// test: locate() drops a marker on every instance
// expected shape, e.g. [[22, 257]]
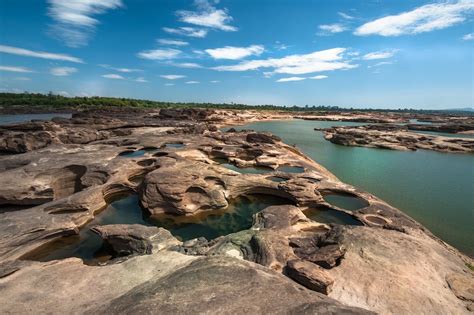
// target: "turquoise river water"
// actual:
[[436, 189]]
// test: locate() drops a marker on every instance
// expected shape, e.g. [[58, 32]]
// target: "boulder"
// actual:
[[309, 275], [132, 239], [262, 138]]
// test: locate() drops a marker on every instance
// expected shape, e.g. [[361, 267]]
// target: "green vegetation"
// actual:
[[470, 266], [53, 101]]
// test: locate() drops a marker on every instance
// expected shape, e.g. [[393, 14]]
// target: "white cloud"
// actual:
[[172, 76], [74, 21], [189, 65], [234, 53], [192, 82], [345, 16], [141, 80], [124, 70], [382, 63], [207, 16], [186, 31], [468, 36], [318, 77], [383, 54], [318, 61], [215, 81], [37, 54], [331, 29], [280, 46], [172, 42], [62, 71], [291, 79], [426, 18], [15, 69], [113, 76], [159, 54], [169, 84]]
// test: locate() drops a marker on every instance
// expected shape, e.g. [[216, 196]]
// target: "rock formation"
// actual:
[[179, 165]]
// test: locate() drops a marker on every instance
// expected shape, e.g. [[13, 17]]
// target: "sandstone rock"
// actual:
[[262, 138], [310, 276], [221, 285], [395, 138], [134, 239], [462, 285]]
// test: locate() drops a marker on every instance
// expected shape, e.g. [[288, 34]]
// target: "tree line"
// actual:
[[55, 101]]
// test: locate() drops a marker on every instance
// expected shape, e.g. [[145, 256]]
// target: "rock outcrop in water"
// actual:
[[288, 261], [395, 137]]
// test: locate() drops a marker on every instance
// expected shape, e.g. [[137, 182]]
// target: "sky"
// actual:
[[371, 53]]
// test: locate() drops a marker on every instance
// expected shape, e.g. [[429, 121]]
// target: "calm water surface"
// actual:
[[436, 189], [13, 119]]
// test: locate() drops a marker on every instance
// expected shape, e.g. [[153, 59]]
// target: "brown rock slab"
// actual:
[[309, 275]]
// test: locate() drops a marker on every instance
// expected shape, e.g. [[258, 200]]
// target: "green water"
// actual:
[[345, 202], [237, 217], [90, 247], [331, 216], [434, 188]]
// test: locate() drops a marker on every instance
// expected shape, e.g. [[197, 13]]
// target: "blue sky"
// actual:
[[384, 54]]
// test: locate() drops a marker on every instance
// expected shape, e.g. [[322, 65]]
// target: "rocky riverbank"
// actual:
[[397, 137], [307, 254]]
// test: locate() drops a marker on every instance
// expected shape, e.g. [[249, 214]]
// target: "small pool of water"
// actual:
[[247, 170], [90, 247], [132, 154], [347, 202], [174, 145], [329, 216], [290, 169], [237, 217]]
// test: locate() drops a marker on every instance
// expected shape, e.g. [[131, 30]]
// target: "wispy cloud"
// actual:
[[318, 61], [207, 16], [15, 69], [62, 71], [159, 54], [291, 79], [235, 53], [280, 46], [141, 80], [215, 81], [345, 16], [328, 29], [172, 42], [383, 54], [192, 82], [423, 19], [469, 36], [188, 65], [318, 77], [169, 84], [37, 54], [74, 18], [378, 64], [186, 31], [22, 79], [123, 70], [113, 76], [172, 76]]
